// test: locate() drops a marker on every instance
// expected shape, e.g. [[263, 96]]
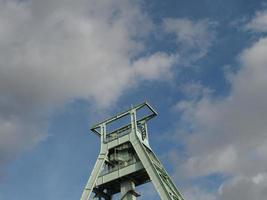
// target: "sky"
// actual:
[[66, 65]]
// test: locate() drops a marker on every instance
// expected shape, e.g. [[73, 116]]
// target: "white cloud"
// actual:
[[238, 120], [230, 133], [194, 37], [237, 188], [218, 161], [52, 52], [244, 188], [194, 90], [195, 193], [156, 66], [259, 22], [56, 51]]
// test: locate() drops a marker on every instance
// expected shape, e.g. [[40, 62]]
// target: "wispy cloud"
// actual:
[[193, 37]]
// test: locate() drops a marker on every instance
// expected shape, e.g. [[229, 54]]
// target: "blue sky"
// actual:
[[66, 65]]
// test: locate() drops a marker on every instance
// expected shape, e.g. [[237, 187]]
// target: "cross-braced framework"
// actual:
[[126, 159]]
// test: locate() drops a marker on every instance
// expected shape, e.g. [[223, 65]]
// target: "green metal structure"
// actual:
[[126, 159]]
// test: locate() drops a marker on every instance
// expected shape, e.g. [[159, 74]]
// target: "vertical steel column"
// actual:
[[127, 190], [128, 186]]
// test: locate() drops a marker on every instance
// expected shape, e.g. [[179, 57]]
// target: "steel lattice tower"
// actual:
[[126, 159]]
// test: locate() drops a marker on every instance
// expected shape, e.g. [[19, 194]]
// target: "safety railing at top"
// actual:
[[101, 127]]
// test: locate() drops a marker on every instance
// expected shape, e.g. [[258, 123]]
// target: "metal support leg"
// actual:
[[156, 172], [92, 179]]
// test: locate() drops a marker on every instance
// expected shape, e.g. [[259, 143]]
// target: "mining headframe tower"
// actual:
[[126, 159]]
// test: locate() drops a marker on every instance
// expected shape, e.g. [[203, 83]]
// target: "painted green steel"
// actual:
[[126, 159]]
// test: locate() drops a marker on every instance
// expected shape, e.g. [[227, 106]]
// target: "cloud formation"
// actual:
[[229, 133], [259, 22], [193, 37], [53, 52]]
